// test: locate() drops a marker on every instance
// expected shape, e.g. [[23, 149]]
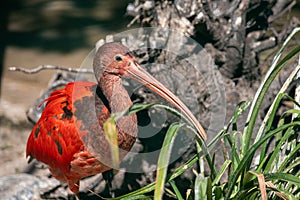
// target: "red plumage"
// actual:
[[56, 139]]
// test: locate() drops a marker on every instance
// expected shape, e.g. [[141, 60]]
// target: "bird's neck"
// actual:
[[115, 93]]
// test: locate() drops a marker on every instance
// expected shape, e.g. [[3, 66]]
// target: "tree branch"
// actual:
[[50, 67]]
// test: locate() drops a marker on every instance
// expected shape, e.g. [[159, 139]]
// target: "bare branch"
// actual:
[[50, 67]]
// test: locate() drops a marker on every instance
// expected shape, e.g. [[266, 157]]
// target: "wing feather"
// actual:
[[55, 138]]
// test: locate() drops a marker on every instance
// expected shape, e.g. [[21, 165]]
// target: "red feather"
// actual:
[[56, 139]]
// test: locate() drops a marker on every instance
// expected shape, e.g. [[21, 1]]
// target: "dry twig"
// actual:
[[50, 67]]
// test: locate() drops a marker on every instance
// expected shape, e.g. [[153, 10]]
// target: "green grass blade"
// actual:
[[203, 188], [277, 56], [201, 159], [282, 193], [233, 139], [259, 96], [291, 179], [244, 194], [271, 114], [272, 110], [289, 158], [291, 111], [249, 154], [276, 152], [233, 151], [164, 158], [181, 169], [294, 164], [139, 107], [137, 197], [176, 190], [146, 189], [221, 172]]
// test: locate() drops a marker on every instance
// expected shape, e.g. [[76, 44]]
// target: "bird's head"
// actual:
[[116, 59], [112, 58]]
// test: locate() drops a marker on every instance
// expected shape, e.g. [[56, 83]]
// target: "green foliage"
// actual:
[[252, 169]]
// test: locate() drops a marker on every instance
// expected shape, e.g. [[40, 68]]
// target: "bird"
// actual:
[[69, 136]]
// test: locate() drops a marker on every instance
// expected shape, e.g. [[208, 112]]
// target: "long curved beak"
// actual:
[[136, 72]]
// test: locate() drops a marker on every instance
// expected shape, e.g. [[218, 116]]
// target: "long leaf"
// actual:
[[289, 158], [259, 96], [294, 164], [281, 193], [138, 197], [176, 190], [203, 188], [163, 160], [275, 103], [291, 179], [271, 114], [277, 151], [221, 172]]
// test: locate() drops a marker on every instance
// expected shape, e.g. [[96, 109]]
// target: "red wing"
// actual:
[[57, 136]]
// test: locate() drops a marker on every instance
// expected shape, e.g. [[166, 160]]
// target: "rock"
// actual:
[[24, 186]]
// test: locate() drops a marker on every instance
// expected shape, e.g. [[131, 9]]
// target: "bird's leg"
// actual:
[[74, 186]]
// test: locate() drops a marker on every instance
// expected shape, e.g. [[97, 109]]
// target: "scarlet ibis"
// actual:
[[69, 135]]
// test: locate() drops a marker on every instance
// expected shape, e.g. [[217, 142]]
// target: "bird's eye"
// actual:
[[118, 58]]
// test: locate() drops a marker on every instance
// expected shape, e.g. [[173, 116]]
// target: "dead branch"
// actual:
[[50, 67]]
